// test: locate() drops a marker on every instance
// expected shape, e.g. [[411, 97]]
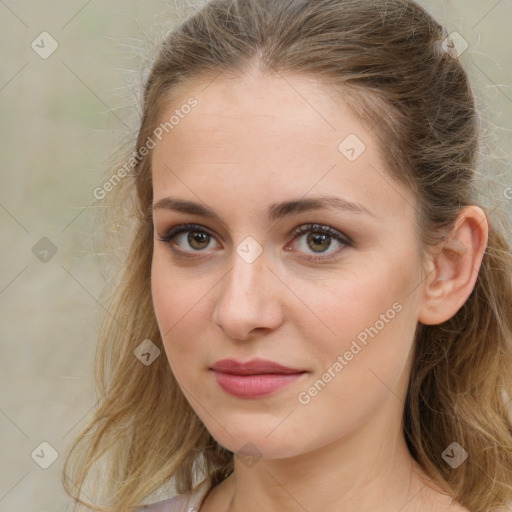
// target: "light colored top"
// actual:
[[181, 502]]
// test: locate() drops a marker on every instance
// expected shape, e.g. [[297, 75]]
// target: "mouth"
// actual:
[[255, 378]]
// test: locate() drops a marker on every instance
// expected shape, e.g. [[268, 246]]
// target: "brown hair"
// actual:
[[387, 60]]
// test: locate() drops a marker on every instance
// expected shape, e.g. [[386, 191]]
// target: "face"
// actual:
[[329, 292]]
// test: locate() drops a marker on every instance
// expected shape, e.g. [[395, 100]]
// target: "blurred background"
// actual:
[[69, 89]]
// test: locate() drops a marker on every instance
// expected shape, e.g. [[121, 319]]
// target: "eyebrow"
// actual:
[[275, 212]]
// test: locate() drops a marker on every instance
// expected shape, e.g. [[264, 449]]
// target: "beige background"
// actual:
[[60, 117]]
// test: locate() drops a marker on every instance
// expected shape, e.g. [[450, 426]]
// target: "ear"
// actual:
[[454, 268]]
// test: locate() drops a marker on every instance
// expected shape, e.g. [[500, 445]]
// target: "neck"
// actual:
[[370, 469]]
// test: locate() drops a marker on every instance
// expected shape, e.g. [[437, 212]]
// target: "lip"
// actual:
[[255, 378], [252, 367]]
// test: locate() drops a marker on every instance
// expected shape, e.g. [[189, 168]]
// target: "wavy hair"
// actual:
[[387, 60]]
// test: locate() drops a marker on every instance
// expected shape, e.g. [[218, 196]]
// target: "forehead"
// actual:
[[289, 134], [281, 104]]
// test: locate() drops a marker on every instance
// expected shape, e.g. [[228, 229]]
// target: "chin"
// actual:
[[257, 441]]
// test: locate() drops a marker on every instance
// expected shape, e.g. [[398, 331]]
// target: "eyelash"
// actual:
[[305, 228]]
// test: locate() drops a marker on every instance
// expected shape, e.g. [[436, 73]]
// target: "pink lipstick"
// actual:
[[253, 379]]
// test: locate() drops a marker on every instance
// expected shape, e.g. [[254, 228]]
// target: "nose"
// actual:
[[249, 299]]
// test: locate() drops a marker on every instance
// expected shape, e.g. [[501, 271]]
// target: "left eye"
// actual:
[[319, 239]]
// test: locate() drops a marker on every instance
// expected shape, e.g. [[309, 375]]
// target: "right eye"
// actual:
[[193, 235]]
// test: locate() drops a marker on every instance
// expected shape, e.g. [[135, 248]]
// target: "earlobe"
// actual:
[[455, 267]]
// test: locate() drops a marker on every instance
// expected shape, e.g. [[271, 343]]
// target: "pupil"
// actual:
[[318, 240], [196, 237]]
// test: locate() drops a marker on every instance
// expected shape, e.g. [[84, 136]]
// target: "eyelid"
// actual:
[[322, 228], [173, 232], [340, 237]]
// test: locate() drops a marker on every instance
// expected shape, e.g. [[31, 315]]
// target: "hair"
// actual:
[[387, 61]]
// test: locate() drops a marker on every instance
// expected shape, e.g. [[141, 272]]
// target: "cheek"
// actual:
[[365, 364], [367, 325], [365, 300], [180, 309]]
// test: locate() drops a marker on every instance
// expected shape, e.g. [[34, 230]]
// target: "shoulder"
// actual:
[[182, 502], [168, 505]]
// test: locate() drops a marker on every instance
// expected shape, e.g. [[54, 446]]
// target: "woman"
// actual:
[[315, 312]]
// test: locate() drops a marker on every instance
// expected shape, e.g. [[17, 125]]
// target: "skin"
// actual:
[[257, 141]]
